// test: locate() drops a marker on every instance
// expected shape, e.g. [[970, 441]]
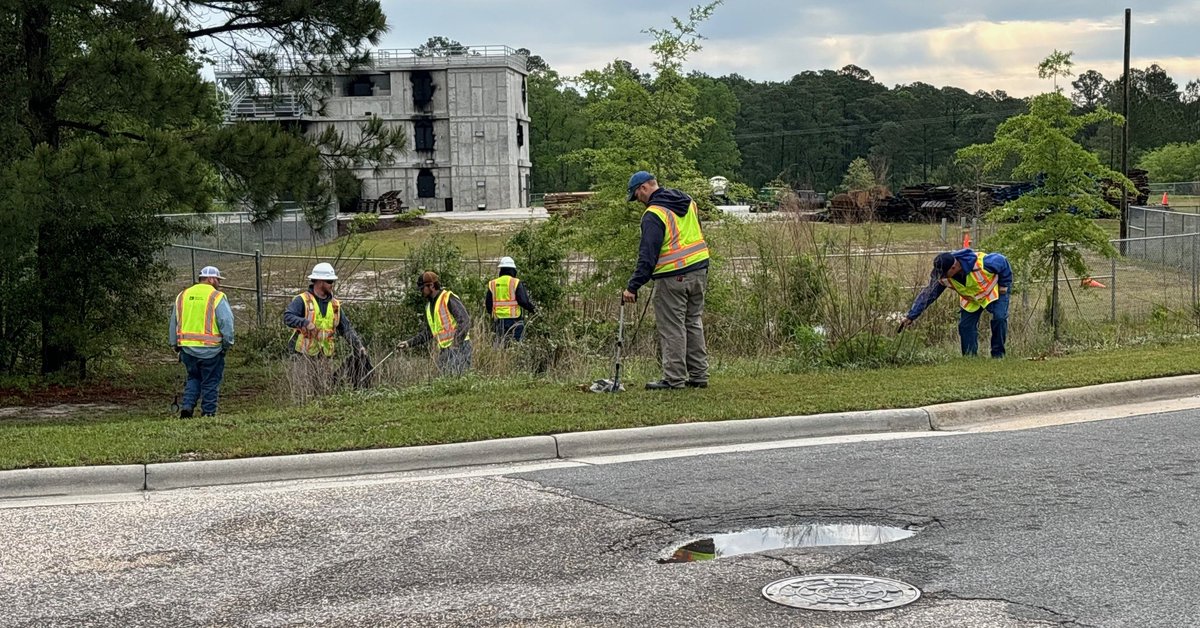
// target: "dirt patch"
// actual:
[[56, 394], [54, 411]]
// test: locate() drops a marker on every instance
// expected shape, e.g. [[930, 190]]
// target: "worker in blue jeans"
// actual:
[[201, 332], [983, 282]]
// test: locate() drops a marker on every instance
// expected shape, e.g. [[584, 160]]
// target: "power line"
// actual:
[[864, 126]]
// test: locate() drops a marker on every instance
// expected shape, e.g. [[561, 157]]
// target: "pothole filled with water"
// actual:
[[784, 537]]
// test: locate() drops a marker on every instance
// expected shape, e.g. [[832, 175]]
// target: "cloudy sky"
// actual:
[[972, 44]]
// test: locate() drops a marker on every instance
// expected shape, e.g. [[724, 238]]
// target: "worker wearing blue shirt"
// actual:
[[982, 281]]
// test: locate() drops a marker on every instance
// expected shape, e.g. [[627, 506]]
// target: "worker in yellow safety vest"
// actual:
[[447, 322], [674, 254], [982, 281], [508, 302], [316, 318], [201, 332]]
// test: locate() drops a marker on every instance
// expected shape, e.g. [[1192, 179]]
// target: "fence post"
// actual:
[[1025, 290], [1113, 290], [193, 252], [944, 234], [258, 286], [1195, 278], [974, 233]]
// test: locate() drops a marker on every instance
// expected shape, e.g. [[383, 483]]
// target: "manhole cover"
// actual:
[[841, 592]]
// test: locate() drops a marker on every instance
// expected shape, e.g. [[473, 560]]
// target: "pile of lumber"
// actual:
[[567, 203], [1141, 181]]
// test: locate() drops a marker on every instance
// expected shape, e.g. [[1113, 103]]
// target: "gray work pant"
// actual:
[[678, 313], [455, 360]]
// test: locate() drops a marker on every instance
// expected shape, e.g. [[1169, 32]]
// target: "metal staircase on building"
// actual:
[[240, 104]]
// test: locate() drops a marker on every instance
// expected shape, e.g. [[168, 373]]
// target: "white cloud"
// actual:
[[972, 44]]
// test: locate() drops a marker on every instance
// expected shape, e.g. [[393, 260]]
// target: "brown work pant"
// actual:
[[678, 314]]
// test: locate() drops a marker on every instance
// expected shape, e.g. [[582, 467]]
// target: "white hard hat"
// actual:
[[210, 271], [507, 262], [323, 272]]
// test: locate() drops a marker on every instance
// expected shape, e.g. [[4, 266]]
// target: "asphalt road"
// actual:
[[1077, 525]]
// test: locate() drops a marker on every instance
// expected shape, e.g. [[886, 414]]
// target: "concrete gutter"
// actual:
[[170, 475], [961, 414], [125, 478], [26, 483], [687, 435]]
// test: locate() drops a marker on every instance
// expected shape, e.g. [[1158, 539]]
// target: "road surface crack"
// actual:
[[1061, 619]]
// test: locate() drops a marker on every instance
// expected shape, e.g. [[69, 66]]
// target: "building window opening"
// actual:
[[423, 134], [524, 93], [426, 184], [520, 134], [422, 88], [359, 86]]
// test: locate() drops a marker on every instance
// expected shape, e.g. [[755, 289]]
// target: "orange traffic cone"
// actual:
[[966, 240], [1165, 202], [1088, 282]]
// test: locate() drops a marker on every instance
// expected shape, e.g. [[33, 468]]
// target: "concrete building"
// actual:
[[465, 117]]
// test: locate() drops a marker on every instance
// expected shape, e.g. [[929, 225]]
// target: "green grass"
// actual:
[[472, 408]]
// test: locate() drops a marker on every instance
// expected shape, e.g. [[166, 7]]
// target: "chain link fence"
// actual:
[[237, 232], [1160, 273], [1181, 196]]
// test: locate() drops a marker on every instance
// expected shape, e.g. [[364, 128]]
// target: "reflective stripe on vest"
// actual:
[[196, 316], [319, 341], [683, 242], [504, 297], [441, 323], [981, 288]]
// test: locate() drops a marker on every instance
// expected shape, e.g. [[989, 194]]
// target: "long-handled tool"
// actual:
[[362, 380], [175, 407], [614, 384]]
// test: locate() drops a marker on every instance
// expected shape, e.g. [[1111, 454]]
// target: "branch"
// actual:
[[98, 129], [230, 27]]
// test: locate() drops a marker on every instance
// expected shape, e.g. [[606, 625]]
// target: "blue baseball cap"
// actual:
[[638, 178], [943, 262]]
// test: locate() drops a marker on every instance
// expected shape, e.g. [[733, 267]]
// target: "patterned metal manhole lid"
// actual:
[[841, 592]]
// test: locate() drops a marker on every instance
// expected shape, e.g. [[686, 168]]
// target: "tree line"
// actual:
[[805, 131]]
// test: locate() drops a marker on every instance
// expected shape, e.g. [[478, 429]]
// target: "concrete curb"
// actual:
[[685, 435], [170, 475], [950, 416], [29, 483], [125, 478]]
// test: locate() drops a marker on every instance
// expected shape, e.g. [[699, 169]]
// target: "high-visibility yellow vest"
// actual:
[[981, 288], [319, 341], [683, 243], [196, 316], [504, 297], [441, 323]]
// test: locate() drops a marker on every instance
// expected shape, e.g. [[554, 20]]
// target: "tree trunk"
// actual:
[[55, 306], [42, 126]]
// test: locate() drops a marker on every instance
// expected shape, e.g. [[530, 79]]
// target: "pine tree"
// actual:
[[107, 124]]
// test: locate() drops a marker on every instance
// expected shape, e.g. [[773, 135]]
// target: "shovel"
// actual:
[[614, 385]]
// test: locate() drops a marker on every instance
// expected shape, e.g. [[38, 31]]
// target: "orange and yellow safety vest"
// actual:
[[683, 243], [504, 297], [319, 341], [441, 323], [981, 288]]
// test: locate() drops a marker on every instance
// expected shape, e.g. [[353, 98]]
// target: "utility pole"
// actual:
[[1125, 138]]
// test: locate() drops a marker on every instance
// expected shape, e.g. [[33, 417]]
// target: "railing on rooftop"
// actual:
[[390, 59]]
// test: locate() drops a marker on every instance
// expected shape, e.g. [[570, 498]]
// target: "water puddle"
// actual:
[[765, 539]]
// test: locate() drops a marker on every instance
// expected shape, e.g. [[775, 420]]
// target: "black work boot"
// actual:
[[186, 413], [661, 385]]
